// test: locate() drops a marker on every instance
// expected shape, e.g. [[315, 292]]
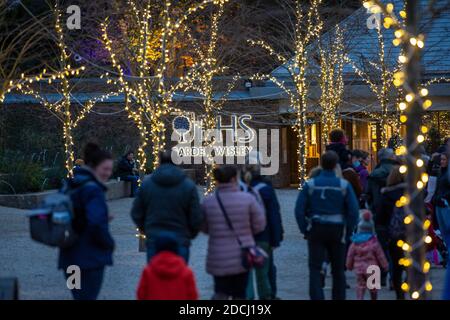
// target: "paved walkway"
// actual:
[[35, 264]]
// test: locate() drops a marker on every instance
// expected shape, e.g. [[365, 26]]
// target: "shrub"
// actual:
[[22, 177]]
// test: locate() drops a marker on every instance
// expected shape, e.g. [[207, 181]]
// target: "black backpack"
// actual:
[[397, 228]]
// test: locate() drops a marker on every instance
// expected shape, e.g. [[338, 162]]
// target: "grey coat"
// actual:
[[168, 201]]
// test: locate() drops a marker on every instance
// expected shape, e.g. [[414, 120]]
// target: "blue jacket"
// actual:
[[327, 202], [273, 233], [95, 245]]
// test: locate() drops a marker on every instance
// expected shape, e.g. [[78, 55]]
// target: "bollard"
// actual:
[[141, 238]]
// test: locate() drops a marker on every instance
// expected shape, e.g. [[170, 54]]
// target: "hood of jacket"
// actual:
[[168, 175], [337, 147], [362, 237], [82, 175], [167, 265], [383, 169], [342, 152]]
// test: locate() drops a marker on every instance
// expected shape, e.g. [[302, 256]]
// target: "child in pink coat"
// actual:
[[365, 251]]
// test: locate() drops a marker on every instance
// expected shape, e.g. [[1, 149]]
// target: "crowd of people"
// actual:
[[347, 213]]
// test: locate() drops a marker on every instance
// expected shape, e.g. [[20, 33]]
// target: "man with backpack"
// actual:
[[376, 181], [378, 177], [326, 213], [390, 218]]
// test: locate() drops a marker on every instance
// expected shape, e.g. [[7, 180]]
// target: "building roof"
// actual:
[[361, 46], [362, 42]]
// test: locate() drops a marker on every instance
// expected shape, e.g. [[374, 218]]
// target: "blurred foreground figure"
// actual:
[[167, 277], [93, 249]]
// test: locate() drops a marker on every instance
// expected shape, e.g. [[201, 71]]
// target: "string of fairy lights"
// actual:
[[149, 110], [413, 44], [145, 107], [204, 70], [331, 83], [61, 108], [308, 26], [380, 88]]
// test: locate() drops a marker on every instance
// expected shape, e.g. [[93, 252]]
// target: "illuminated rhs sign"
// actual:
[[227, 143]]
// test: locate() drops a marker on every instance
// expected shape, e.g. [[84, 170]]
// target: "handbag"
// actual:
[[252, 256]]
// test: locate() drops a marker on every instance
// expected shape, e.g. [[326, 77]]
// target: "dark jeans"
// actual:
[[396, 253], [134, 183], [273, 275], [183, 251], [91, 282], [234, 286], [326, 240]]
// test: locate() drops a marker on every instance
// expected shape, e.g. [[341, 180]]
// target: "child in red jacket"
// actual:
[[365, 251], [167, 277]]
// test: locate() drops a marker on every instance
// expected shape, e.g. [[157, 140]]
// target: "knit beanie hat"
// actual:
[[366, 224], [166, 241]]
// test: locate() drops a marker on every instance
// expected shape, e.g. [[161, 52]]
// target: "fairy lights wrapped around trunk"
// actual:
[[307, 28]]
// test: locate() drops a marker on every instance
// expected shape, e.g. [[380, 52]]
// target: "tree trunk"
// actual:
[[415, 230]]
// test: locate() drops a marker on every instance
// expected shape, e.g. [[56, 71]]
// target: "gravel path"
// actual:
[[35, 264]]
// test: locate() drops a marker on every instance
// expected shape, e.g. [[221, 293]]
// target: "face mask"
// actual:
[[356, 164]]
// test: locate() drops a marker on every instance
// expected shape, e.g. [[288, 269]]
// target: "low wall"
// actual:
[[116, 190]]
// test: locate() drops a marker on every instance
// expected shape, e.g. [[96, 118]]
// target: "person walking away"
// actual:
[[271, 237], [365, 252], [127, 171], [168, 202], [392, 218], [167, 277], [94, 247], [377, 180], [442, 201], [338, 144], [360, 161], [246, 218], [350, 174], [326, 211]]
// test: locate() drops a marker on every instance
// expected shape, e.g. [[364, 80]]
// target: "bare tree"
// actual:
[[204, 71], [408, 77], [63, 108], [331, 82], [21, 59], [149, 54], [307, 26]]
